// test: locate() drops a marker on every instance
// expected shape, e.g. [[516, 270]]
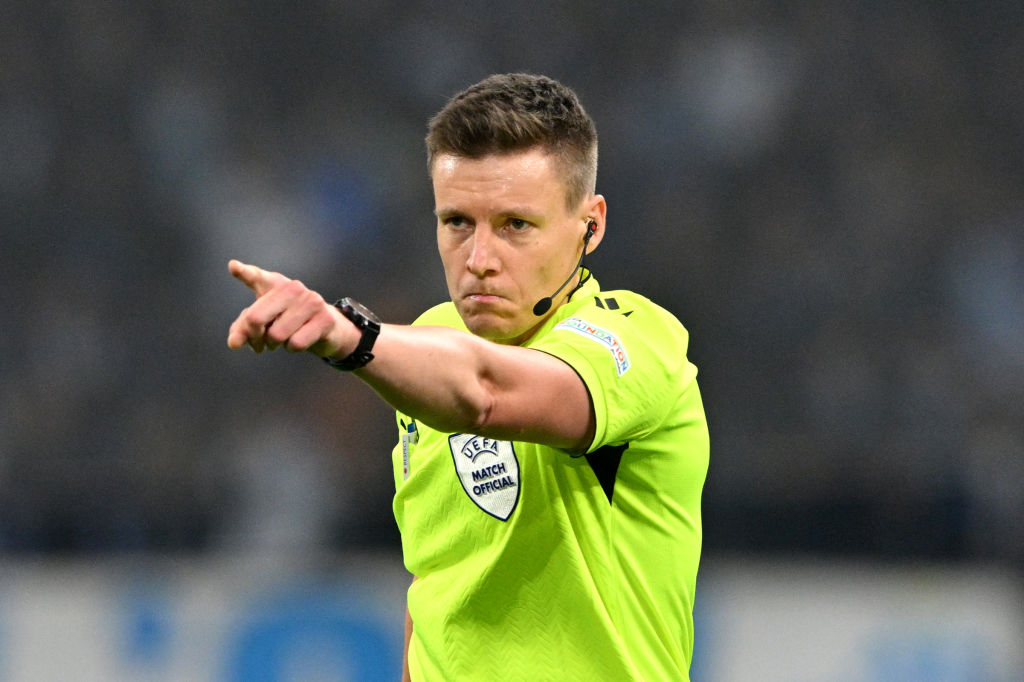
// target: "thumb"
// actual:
[[254, 277]]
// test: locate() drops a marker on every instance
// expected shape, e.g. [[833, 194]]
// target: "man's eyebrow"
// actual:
[[447, 212], [531, 214], [521, 212]]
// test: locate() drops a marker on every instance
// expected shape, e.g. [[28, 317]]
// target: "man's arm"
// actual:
[[406, 676], [449, 380]]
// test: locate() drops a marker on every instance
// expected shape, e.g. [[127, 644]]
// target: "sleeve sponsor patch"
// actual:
[[602, 336]]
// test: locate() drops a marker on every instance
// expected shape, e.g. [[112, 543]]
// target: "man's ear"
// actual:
[[595, 211]]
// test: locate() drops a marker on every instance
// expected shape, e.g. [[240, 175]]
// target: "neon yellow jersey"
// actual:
[[536, 565]]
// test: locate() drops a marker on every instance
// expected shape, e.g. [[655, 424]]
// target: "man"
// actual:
[[552, 459]]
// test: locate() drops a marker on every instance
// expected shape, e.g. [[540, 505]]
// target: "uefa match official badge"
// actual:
[[489, 472]]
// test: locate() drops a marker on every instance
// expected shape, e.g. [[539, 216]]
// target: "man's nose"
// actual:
[[482, 253]]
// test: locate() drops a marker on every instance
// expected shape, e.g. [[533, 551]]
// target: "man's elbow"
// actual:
[[468, 415]]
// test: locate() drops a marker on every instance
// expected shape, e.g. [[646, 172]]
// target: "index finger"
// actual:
[[254, 277]]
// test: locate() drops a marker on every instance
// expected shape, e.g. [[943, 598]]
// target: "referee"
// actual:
[[552, 441]]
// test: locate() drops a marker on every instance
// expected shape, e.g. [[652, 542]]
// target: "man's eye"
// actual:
[[518, 224], [455, 221]]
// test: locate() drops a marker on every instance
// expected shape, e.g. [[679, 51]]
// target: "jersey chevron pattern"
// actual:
[[536, 565]]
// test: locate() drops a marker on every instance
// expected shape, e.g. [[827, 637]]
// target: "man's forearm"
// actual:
[[406, 676], [405, 655]]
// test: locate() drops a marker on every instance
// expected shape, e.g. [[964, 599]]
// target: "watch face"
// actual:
[[361, 310]]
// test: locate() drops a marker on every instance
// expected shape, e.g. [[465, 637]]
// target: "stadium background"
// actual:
[[829, 195]]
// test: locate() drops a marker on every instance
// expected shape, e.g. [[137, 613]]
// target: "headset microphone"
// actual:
[[544, 304]]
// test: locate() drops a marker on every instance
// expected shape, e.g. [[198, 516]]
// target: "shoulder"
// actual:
[[639, 337], [632, 305], [629, 315], [441, 315]]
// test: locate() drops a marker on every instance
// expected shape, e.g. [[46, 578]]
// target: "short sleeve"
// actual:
[[634, 366]]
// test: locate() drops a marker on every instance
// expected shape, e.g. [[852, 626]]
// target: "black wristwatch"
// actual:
[[368, 323]]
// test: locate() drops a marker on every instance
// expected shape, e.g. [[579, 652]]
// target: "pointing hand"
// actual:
[[287, 313]]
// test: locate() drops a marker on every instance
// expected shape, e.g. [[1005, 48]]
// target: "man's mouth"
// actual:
[[483, 297]]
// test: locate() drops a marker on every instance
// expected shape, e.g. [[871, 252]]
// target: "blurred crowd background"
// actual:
[[829, 195]]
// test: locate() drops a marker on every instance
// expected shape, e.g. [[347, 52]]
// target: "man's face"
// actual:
[[506, 238]]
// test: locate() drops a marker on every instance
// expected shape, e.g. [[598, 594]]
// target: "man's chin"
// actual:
[[490, 326], [490, 330]]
